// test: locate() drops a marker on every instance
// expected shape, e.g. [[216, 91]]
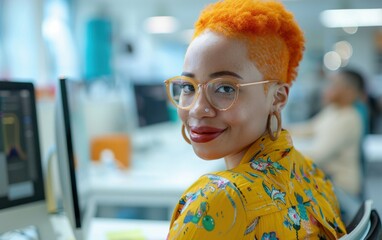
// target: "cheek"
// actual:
[[183, 115], [251, 117]]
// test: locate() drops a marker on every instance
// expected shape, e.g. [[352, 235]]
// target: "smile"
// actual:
[[204, 134]]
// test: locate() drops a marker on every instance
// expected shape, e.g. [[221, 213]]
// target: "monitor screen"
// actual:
[[21, 180], [151, 103], [23, 207]]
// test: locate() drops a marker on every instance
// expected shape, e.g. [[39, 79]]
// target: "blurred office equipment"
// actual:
[[112, 147], [22, 195], [82, 207], [72, 170], [151, 103], [98, 48], [366, 224]]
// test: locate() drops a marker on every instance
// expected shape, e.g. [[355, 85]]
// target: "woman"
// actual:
[[235, 82]]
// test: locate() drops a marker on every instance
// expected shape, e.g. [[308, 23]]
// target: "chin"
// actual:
[[207, 155]]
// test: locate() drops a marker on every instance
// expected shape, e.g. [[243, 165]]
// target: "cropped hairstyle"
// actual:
[[275, 42]]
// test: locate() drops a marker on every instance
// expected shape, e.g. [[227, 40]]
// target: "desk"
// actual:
[[100, 228], [152, 186], [105, 228], [163, 167], [62, 227]]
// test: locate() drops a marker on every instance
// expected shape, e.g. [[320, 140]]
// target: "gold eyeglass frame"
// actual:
[[204, 86]]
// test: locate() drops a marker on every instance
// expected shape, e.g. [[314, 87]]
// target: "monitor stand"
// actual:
[[60, 217], [33, 214]]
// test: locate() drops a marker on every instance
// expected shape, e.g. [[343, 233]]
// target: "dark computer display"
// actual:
[[21, 178], [151, 103]]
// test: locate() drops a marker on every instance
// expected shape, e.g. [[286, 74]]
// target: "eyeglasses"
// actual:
[[221, 93]]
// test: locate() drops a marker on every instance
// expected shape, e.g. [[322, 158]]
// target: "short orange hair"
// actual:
[[275, 41]]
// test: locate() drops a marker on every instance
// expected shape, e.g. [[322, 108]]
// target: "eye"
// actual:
[[187, 88], [225, 89]]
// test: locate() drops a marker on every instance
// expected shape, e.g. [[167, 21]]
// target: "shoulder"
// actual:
[[268, 187], [292, 187], [338, 119], [349, 113], [217, 185], [222, 180], [263, 186], [350, 119], [211, 207]]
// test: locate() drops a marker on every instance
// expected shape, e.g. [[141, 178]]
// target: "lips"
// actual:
[[204, 134]]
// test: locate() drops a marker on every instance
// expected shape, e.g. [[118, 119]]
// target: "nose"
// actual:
[[202, 107]]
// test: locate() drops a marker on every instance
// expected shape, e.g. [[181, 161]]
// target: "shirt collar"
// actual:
[[265, 146]]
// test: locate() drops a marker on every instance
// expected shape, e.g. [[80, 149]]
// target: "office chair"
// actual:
[[375, 228], [365, 225]]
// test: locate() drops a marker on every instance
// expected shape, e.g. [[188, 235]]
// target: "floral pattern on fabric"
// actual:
[[266, 166], [274, 193], [269, 236]]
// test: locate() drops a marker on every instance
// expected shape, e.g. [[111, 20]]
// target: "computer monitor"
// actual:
[[22, 195], [151, 103], [71, 157]]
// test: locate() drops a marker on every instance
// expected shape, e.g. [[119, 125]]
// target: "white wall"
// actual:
[[23, 51]]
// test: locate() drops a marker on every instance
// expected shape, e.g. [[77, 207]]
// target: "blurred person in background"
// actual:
[[235, 82], [333, 137]]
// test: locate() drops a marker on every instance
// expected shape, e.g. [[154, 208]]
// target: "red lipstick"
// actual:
[[204, 134]]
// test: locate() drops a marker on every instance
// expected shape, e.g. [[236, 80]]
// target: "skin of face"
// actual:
[[211, 55], [339, 91]]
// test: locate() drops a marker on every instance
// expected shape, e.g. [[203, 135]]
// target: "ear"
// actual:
[[280, 96]]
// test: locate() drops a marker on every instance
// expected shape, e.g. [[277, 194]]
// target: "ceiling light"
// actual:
[[344, 49], [332, 60], [161, 24], [351, 17], [350, 30]]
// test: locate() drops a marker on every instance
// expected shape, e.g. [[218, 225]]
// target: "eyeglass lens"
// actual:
[[219, 92]]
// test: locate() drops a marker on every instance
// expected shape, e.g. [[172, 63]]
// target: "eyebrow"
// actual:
[[215, 75], [224, 73], [187, 74]]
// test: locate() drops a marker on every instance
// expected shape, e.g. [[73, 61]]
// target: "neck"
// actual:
[[233, 161], [343, 104]]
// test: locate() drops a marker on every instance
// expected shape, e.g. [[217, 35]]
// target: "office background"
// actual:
[[124, 41], [116, 50]]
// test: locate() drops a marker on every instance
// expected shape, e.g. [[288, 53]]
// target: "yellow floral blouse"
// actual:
[[274, 193]]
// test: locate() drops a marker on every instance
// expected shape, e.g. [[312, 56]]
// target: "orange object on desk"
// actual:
[[119, 144]]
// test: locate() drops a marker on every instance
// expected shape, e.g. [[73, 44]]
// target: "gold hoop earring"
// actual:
[[185, 135], [271, 133]]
